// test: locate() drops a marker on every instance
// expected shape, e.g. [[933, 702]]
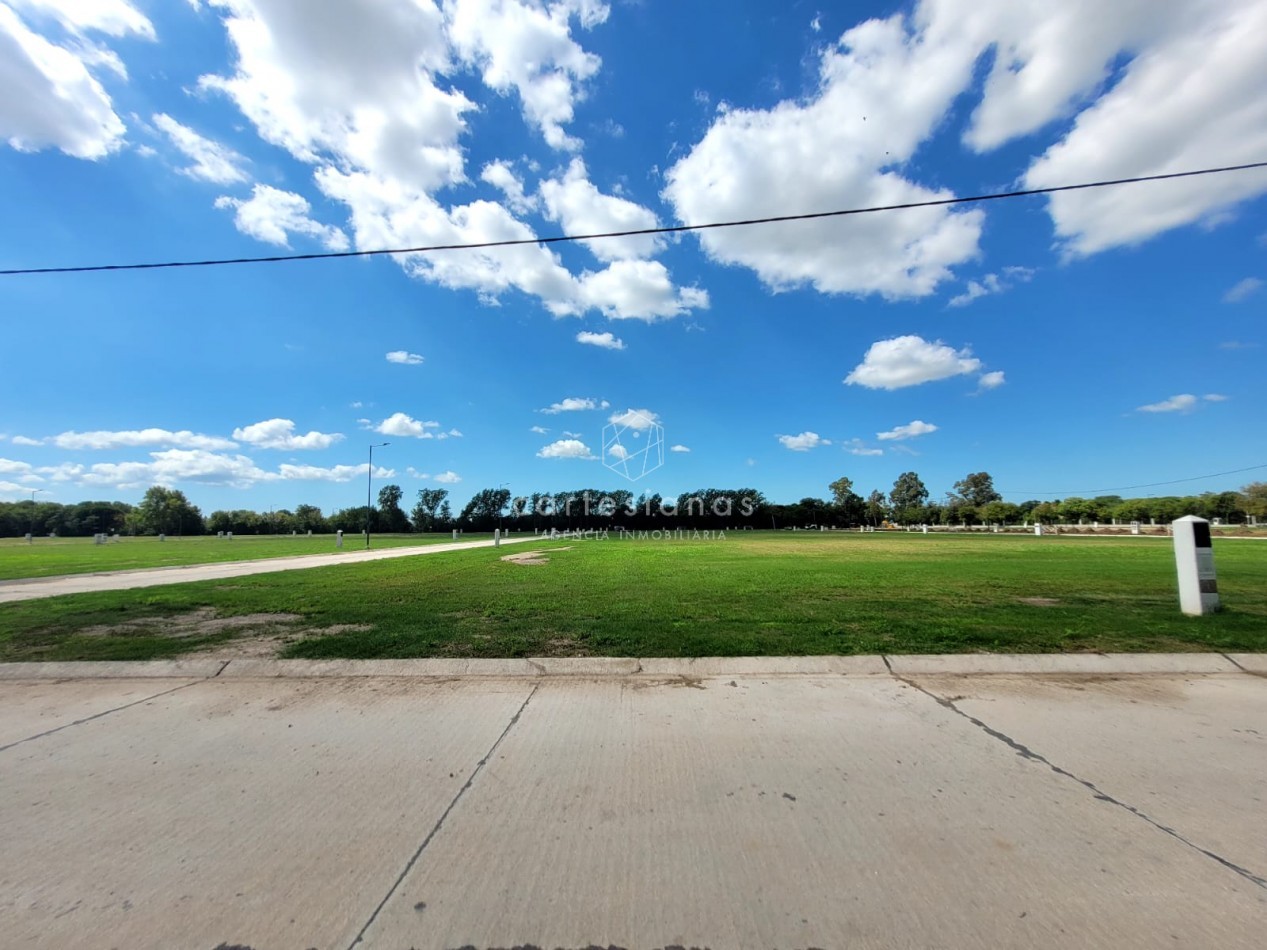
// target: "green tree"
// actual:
[[391, 518], [1254, 499], [907, 497], [426, 511], [977, 489], [483, 511], [842, 491], [167, 511]]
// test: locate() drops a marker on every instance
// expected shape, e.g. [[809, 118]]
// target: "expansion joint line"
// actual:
[[435, 830], [106, 712], [1033, 756]]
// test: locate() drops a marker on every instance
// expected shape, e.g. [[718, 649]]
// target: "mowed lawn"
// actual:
[[47, 557], [749, 594]]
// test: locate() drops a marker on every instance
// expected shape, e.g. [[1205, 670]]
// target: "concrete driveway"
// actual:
[[865, 802]]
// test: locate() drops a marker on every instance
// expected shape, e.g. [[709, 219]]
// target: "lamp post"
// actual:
[[369, 478], [34, 492]]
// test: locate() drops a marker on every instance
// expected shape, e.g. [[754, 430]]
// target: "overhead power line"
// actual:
[[676, 229], [1104, 491]]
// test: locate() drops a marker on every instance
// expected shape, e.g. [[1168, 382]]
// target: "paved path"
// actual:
[[716, 803], [34, 588]]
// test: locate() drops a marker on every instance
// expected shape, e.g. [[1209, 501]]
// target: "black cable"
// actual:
[[1102, 491], [676, 229]]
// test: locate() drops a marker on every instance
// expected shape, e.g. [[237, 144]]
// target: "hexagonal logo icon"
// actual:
[[633, 444]]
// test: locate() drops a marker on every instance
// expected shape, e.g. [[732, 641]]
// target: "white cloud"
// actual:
[[24, 470], [858, 447], [404, 357], [908, 431], [337, 473], [1166, 113], [272, 215], [803, 442], [400, 424], [527, 47], [605, 340], [1214, 397], [500, 175], [991, 380], [992, 284], [1243, 290], [52, 99], [23, 440], [581, 208], [639, 290], [280, 434], [177, 465], [1184, 402], [882, 91], [12, 488], [679, 448], [909, 361], [634, 418], [211, 161], [539, 430], [117, 18], [573, 404], [448, 478], [566, 449], [184, 439]]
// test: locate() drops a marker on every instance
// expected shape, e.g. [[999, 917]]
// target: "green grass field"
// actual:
[[46, 557], [748, 594]]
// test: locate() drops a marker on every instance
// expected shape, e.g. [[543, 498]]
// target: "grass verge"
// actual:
[[750, 594]]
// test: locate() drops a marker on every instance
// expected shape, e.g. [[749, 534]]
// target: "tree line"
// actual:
[[974, 501]]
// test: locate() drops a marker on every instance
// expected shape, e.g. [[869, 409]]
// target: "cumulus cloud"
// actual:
[[908, 431], [607, 341], [337, 473], [1184, 402], [566, 449], [821, 153], [581, 208], [280, 434], [52, 99], [134, 438], [991, 380], [177, 465], [448, 478], [1243, 290], [23, 440], [634, 418], [574, 404], [527, 47], [272, 215], [803, 442], [405, 426], [211, 161], [678, 448], [909, 361], [858, 447], [404, 357], [992, 284], [360, 95]]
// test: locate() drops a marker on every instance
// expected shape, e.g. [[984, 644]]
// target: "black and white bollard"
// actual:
[[1194, 559]]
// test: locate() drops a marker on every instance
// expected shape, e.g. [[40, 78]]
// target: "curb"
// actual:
[[913, 665]]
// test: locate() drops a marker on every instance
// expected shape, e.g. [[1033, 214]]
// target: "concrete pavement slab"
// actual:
[[764, 665], [440, 667], [37, 707], [967, 663], [1190, 752], [261, 813], [796, 811], [106, 669], [1252, 662]]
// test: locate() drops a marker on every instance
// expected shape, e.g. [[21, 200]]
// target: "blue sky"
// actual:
[[1090, 342]]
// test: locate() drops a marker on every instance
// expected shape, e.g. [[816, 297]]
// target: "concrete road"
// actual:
[[865, 803], [37, 587]]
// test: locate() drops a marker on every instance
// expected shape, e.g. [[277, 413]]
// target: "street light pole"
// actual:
[[369, 478], [34, 492]]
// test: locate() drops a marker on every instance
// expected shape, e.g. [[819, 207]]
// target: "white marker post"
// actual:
[[455, 534], [1038, 529], [338, 539], [1194, 559], [497, 537]]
